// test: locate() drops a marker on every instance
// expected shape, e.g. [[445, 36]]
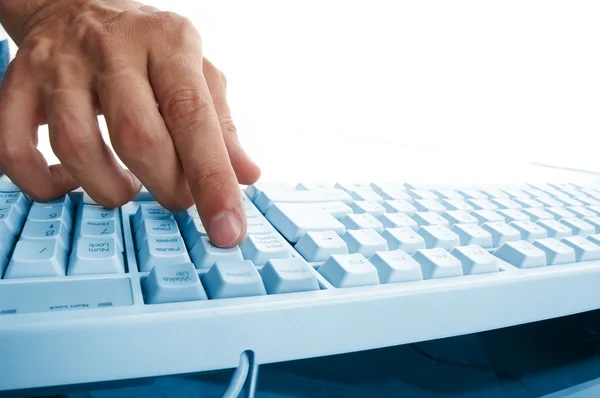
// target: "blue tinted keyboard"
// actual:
[[89, 294]]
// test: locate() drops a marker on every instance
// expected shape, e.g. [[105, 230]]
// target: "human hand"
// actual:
[[164, 105]]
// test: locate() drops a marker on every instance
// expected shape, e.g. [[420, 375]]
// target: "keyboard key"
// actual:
[[581, 212], [47, 231], [103, 229], [482, 204], [429, 218], [457, 204], [362, 221], [588, 201], [349, 270], [521, 254], [475, 260], [529, 230], [364, 241], [529, 203], [390, 193], [261, 248], [293, 224], [549, 202], [399, 206], [308, 186], [429, 205], [252, 191], [204, 254], [439, 236], [396, 266], [422, 194], [511, 215], [92, 212], [473, 234], [459, 217], [173, 283], [192, 231], [484, 216], [594, 221], [37, 258], [438, 263], [319, 246], [585, 250], [448, 194], [337, 209], [536, 214], [6, 185], [568, 201], [16, 200], [288, 276], [149, 212], [12, 219], [397, 220], [378, 186], [506, 204], [365, 194], [560, 212], [350, 186], [53, 213], [404, 238], [495, 194], [365, 206], [556, 251], [501, 233], [579, 227], [516, 193], [96, 256], [3, 261], [555, 229], [595, 210], [233, 279], [269, 197], [258, 225], [162, 250], [472, 194], [64, 201], [158, 228]]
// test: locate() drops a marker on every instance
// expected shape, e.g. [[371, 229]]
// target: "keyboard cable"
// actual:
[[240, 377]]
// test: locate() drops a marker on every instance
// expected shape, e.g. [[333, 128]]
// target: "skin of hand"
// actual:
[[164, 104]]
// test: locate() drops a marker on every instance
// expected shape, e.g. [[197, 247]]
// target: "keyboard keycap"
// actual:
[[92, 212], [484, 216], [293, 224], [258, 225], [37, 258], [560, 212], [103, 229], [364, 241], [162, 250], [365, 194], [233, 279], [568, 201], [173, 283], [64, 201], [529, 203], [261, 248], [422, 194], [157, 228], [457, 204], [53, 213], [149, 212], [362, 221], [511, 215], [429, 205], [594, 221], [319, 246], [555, 229], [501, 233], [430, 218], [448, 194], [337, 209], [390, 193], [556, 251], [581, 212], [12, 219], [288, 276], [96, 256], [47, 231], [349, 270], [495, 194], [397, 220], [529, 230], [16, 200], [549, 202], [473, 234], [578, 226], [585, 250], [406, 239], [536, 214], [365, 206], [438, 263], [396, 266], [399, 206], [439, 236], [506, 204], [521, 254], [482, 204], [459, 217], [204, 254], [475, 260], [268, 197], [472, 194]]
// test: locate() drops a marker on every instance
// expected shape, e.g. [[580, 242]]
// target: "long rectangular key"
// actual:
[[54, 213], [293, 224], [158, 228], [37, 258], [268, 197], [47, 231], [148, 211], [96, 256], [101, 229]]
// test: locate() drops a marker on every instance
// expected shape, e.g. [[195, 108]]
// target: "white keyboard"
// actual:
[[90, 294]]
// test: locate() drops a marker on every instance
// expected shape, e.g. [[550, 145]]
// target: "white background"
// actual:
[[506, 80]]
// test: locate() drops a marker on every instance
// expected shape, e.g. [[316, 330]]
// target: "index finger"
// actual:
[[186, 106]]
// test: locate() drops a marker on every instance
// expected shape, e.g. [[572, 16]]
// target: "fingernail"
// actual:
[[225, 229]]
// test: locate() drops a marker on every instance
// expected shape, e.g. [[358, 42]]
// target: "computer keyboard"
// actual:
[[89, 294]]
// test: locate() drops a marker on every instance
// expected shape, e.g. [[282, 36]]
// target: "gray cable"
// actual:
[[252, 380], [238, 378]]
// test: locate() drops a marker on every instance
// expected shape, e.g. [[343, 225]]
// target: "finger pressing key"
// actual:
[[175, 70]]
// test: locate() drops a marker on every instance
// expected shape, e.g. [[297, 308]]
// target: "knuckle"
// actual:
[[73, 143], [186, 105], [11, 154], [38, 53], [179, 29], [134, 138], [228, 127]]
